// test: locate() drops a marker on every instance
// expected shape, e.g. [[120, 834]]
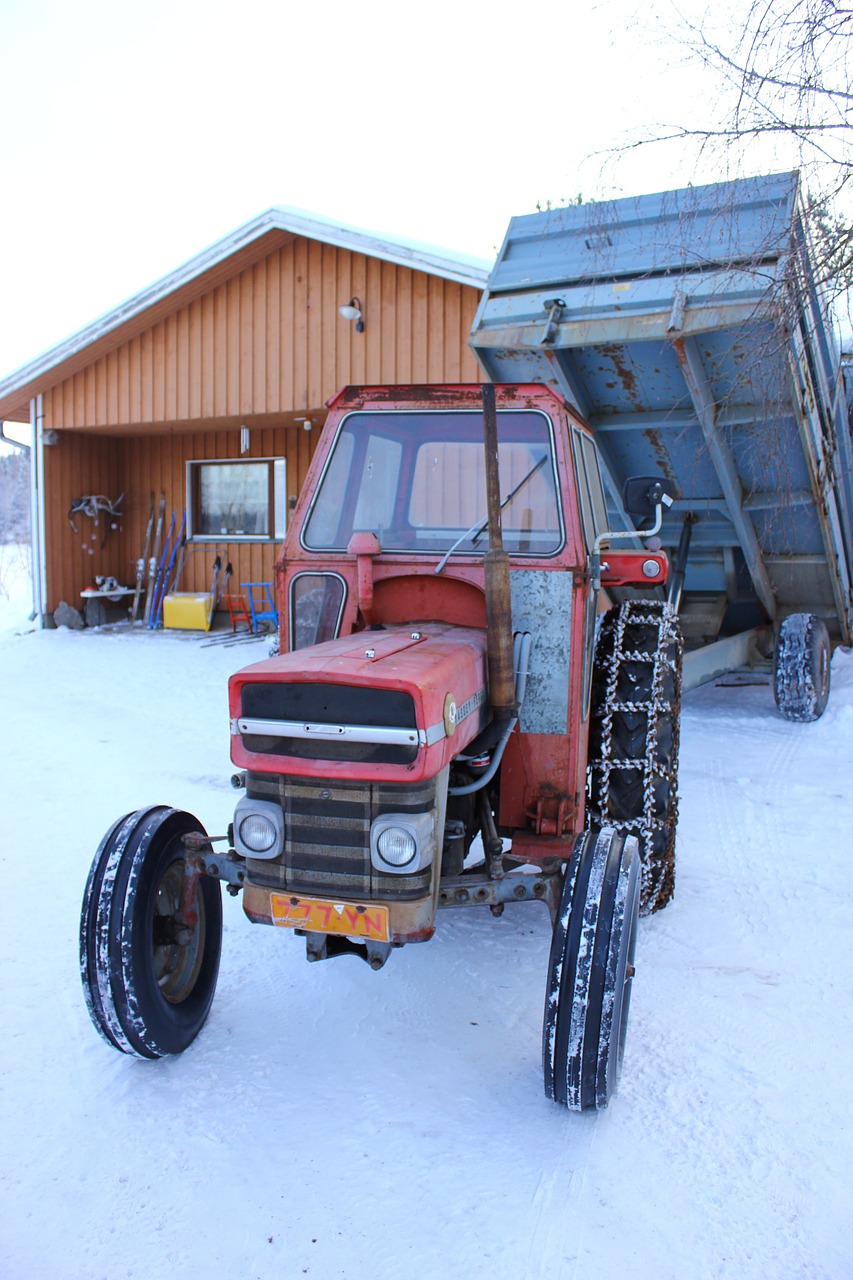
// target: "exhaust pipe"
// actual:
[[498, 606]]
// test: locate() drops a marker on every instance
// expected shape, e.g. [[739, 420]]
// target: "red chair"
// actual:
[[238, 611]]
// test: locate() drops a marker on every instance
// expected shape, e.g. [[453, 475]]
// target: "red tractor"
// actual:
[[473, 704]]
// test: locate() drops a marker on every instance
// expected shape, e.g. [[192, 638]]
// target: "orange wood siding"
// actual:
[[75, 466], [259, 348], [83, 464], [270, 341], [159, 462]]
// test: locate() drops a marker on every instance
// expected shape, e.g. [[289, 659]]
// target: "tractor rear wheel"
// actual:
[[590, 971], [801, 668], [633, 737], [148, 973]]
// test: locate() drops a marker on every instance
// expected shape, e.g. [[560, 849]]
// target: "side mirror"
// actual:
[[642, 495]]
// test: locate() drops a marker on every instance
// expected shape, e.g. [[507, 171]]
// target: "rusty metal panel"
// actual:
[[743, 221], [542, 605]]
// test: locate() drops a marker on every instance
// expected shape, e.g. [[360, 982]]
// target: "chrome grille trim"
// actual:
[[331, 732], [340, 732]]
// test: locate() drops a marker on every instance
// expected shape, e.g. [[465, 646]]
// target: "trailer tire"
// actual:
[[801, 671], [590, 971], [634, 736], [148, 988]]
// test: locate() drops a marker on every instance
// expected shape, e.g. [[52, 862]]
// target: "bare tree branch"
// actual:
[[786, 72]]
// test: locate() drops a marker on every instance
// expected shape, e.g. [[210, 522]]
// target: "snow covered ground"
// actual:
[[338, 1123]]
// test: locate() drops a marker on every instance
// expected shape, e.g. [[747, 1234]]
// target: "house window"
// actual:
[[233, 500]]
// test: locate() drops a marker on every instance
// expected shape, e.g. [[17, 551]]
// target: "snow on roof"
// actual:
[[460, 268]]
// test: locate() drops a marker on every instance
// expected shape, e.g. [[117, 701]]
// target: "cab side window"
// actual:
[[590, 488]]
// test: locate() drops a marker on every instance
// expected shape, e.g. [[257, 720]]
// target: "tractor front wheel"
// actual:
[[590, 971], [149, 953]]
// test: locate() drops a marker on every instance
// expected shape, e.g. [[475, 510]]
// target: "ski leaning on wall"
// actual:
[[142, 562], [164, 577], [152, 563], [214, 590], [158, 579]]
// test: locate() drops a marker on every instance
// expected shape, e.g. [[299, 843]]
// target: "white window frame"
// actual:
[[278, 514]]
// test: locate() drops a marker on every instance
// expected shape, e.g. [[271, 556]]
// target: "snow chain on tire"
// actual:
[[633, 737]]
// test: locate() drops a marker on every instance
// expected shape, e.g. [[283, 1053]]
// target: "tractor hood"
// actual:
[[394, 704]]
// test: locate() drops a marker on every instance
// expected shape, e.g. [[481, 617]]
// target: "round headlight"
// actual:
[[397, 846], [257, 832]]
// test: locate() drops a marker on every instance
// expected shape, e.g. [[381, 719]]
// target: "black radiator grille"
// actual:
[[329, 704], [327, 836]]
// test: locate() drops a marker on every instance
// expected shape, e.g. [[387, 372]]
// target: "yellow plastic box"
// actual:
[[187, 611]]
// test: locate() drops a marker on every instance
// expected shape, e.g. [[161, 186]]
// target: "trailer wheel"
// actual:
[[590, 971], [148, 976], [633, 737], [801, 670]]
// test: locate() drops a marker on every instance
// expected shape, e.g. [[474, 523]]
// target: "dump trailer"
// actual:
[[687, 328], [450, 723]]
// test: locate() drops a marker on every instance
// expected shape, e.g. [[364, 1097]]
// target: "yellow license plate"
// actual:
[[353, 919]]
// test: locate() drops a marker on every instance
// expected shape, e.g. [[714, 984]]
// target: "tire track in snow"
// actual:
[[556, 1217], [749, 882], [775, 865], [749, 835]]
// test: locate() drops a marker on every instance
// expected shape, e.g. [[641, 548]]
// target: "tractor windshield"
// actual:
[[417, 480]]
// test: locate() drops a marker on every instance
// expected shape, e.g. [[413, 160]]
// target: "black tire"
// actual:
[[634, 736], [801, 672], [590, 971], [148, 991]]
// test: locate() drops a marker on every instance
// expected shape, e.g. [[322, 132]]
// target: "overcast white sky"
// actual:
[[134, 136]]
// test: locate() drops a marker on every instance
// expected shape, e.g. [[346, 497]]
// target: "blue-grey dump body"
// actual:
[[687, 328]]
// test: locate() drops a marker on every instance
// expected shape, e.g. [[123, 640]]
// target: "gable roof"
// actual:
[[281, 219]]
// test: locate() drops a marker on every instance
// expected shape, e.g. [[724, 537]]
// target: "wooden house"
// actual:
[[211, 385]]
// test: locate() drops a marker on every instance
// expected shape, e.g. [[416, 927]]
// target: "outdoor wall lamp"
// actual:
[[352, 311]]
